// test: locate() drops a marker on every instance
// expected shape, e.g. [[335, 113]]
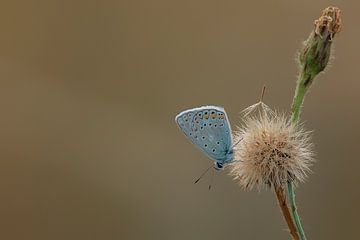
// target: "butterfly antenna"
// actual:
[[262, 93], [236, 143], [197, 180], [211, 178]]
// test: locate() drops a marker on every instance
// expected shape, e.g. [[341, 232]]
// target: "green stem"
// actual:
[[295, 215], [313, 59], [300, 92], [298, 100]]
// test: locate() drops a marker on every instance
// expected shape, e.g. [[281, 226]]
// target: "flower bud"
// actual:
[[315, 55]]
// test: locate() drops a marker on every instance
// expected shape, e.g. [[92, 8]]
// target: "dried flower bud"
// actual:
[[329, 23], [272, 152], [315, 55]]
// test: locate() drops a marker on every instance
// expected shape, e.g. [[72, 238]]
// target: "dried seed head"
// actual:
[[272, 152]]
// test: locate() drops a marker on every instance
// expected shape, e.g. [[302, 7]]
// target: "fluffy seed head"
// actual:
[[272, 152]]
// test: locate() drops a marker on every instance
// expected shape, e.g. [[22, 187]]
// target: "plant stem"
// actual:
[[300, 92], [298, 99], [286, 213], [313, 59], [295, 215]]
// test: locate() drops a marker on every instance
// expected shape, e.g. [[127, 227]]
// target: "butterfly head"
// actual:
[[219, 166], [229, 157]]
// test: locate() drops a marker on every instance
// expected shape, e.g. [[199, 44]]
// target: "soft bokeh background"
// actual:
[[89, 92]]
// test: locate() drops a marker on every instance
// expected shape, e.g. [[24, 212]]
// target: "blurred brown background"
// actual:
[[89, 92]]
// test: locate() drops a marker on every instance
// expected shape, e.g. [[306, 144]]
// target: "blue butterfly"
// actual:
[[209, 129]]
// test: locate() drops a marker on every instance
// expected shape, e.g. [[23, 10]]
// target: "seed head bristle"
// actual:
[[272, 152]]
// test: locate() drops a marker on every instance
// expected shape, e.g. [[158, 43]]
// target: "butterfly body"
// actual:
[[209, 129]]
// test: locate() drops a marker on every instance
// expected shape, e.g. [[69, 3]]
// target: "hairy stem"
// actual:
[[300, 92], [295, 214], [313, 59], [286, 213], [298, 98]]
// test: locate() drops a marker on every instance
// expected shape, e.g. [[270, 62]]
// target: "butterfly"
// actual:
[[209, 129]]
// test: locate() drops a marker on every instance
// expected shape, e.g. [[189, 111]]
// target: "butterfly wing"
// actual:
[[209, 129]]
